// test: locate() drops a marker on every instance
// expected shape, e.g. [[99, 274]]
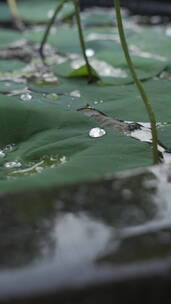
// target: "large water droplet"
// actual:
[[26, 97], [13, 164], [97, 132]]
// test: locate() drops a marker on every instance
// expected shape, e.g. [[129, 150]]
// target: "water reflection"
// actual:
[[150, 240], [25, 235], [79, 238], [74, 223], [84, 233]]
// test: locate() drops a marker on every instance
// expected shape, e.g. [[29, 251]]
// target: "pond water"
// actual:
[[74, 239]]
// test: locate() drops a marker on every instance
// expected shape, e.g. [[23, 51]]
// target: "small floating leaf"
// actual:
[[83, 72]]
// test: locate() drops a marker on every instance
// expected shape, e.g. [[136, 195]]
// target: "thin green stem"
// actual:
[[138, 83], [47, 31], [82, 43]]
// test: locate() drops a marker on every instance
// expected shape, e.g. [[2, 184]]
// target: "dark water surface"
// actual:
[[101, 241]]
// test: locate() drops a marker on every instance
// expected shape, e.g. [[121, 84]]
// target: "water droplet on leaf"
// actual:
[[52, 96], [26, 97], [13, 164], [97, 132], [38, 166]]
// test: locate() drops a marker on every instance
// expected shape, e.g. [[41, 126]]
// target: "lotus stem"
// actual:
[[82, 42], [48, 28], [137, 82]]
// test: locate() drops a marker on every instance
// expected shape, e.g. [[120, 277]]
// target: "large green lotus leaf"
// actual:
[[123, 102], [146, 39], [39, 131], [145, 67], [155, 42], [30, 10], [10, 65], [8, 36]]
